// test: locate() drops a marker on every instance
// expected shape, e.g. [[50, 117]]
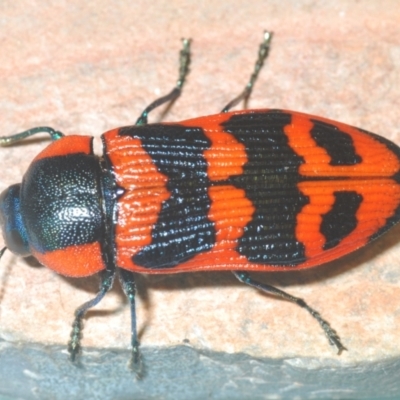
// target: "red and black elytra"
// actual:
[[251, 190]]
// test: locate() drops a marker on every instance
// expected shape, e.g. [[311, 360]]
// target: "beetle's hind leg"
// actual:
[[263, 52], [333, 337], [184, 62], [74, 345]]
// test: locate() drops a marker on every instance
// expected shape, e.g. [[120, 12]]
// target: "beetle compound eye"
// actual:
[[13, 228]]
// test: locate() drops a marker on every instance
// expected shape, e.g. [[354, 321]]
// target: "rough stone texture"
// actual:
[[85, 67], [181, 373]]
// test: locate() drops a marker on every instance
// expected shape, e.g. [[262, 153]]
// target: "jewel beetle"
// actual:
[[250, 190]]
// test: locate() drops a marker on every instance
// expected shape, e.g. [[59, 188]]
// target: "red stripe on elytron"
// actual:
[[144, 192], [377, 159], [67, 145], [226, 156], [231, 211], [75, 261], [380, 199]]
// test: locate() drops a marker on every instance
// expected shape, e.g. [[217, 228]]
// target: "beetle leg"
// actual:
[[262, 55], [128, 284], [74, 345], [184, 62], [333, 337]]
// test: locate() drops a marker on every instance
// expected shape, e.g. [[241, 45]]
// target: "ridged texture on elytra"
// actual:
[[256, 190], [269, 179], [143, 193], [183, 227]]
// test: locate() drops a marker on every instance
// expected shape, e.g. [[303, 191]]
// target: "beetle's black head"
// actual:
[[14, 232]]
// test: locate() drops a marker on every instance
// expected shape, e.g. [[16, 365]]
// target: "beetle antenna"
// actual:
[[8, 140], [184, 62], [263, 52]]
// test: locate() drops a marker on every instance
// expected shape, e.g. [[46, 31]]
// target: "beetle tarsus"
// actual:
[[136, 364], [74, 347], [331, 334], [333, 337]]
